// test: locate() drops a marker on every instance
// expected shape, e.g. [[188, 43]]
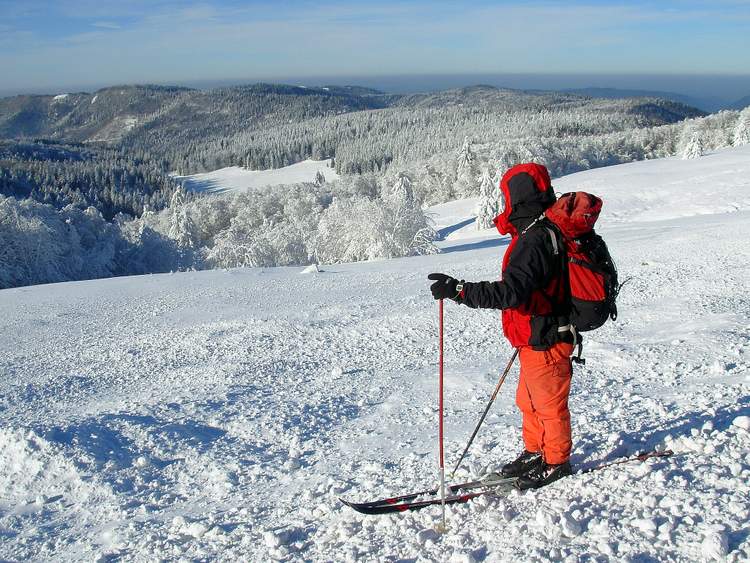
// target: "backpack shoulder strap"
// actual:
[[553, 238]]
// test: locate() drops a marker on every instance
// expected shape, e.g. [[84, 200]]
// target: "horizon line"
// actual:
[[326, 80]]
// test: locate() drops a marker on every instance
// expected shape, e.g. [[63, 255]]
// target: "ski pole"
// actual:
[[440, 408], [492, 400]]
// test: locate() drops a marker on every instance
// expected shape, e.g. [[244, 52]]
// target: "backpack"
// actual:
[[591, 273]]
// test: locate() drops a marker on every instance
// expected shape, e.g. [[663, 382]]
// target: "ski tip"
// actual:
[[359, 507], [350, 504]]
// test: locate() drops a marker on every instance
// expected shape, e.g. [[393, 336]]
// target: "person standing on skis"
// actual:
[[535, 306]]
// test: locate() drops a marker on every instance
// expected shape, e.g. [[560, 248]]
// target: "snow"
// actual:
[[116, 129], [235, 178], [60, 97], [129, 123], [653, 190], [715, 183], [218, 415]]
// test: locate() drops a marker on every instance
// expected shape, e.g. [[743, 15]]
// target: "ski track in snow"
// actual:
[[219, 415]]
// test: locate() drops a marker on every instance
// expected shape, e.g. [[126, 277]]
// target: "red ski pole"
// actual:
[[440, 408]]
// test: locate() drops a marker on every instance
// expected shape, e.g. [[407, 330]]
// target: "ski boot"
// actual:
[[543, 474], [522, 465]]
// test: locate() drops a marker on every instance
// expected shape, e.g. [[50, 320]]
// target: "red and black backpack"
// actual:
[[592, 275]]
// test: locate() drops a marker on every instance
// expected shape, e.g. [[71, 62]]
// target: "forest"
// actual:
[[88, 193], [110, 179]]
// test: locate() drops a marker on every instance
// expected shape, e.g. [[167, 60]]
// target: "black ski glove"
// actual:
[[444, 286]]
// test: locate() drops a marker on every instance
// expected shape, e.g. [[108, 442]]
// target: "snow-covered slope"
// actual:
[[235, 178], [219, 415], [652, 190]]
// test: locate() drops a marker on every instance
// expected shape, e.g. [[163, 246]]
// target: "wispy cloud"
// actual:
[[107, 25]]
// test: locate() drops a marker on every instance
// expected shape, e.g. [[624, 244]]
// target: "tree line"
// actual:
[[111, 180]]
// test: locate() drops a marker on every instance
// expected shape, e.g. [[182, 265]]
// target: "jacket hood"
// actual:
[[527, 190]]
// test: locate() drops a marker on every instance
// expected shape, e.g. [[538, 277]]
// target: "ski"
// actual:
[[462, 492], [452, 489], [643, 456], [407, 502]]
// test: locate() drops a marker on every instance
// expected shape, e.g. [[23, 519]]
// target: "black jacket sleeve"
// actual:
[[531, 266]]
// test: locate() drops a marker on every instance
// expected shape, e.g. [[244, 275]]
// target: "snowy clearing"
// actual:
[[219, 415], [235, 178]]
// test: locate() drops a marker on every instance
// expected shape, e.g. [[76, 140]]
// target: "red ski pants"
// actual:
[[542, 396]]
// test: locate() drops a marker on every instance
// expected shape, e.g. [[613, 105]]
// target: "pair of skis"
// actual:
[[461, 492], [464, 492]]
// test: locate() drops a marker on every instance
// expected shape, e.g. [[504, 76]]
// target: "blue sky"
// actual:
[[53, 44]]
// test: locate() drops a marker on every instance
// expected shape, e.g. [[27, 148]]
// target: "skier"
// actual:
[[533, 297]]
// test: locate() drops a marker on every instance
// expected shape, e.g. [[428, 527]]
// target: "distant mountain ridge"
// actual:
[[110, 113], [262, 126], [708, 104]]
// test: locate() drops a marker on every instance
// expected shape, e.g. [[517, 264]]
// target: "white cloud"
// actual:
[[107, 25]]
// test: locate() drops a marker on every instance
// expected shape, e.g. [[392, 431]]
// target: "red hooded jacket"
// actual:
[[532, 291]]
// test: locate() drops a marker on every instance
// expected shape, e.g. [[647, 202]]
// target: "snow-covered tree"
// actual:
[[239, 246], [424, 241], [360, 228], [466, 170], [694, 147], [320, 179], [181, 227], [465, 156], [41, 244], [402, 192], [349, 231], [489, 201], [741, 134]]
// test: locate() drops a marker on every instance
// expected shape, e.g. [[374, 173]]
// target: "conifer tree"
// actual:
[[694, 147], [466, 170], [741, 135], [488, 205]]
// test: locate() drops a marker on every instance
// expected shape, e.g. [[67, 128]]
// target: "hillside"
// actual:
[[220, 414], [110, 113], [639, 192], [265, 126], [104, 115], [709, 104]]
